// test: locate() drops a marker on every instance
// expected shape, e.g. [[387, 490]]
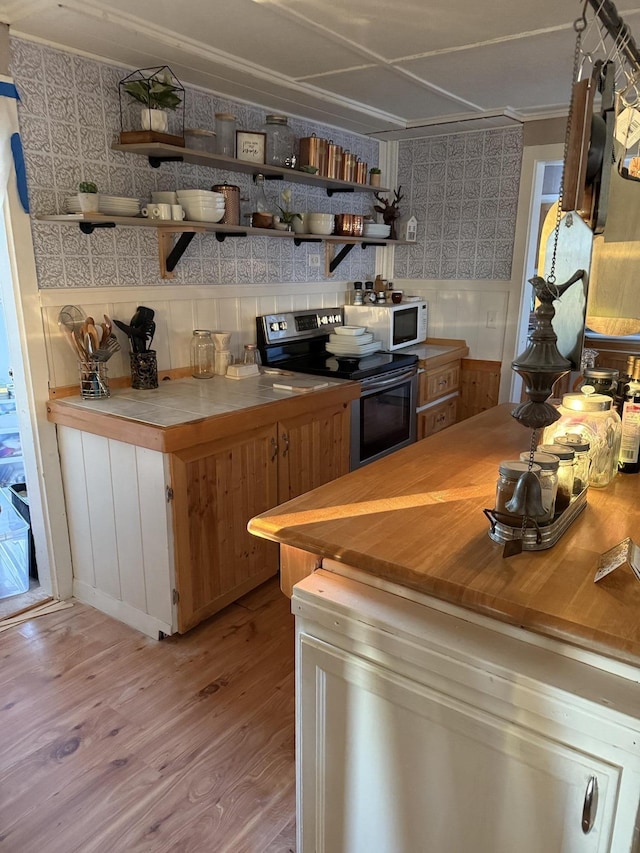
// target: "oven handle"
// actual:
[[373, 384]]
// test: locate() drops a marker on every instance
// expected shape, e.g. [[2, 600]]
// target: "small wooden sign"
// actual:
[[625, 553]]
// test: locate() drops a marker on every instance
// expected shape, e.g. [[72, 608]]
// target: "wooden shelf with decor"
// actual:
[[171, 249]]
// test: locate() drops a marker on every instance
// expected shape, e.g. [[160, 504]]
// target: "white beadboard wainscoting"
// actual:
[[179, 310], [473, 311]]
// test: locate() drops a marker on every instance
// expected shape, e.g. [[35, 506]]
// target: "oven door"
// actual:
[[384, 418]]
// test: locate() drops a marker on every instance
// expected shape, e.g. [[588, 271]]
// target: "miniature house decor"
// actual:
[[151, 107], [408, 230]]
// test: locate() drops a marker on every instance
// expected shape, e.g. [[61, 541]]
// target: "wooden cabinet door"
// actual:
[[391, 766], [217, 488], [437, 418], [313, 449], [436, 383]]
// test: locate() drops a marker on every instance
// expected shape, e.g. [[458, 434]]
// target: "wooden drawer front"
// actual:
[[438, 383], [438, 417]]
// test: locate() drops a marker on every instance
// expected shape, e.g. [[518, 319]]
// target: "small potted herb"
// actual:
[[374, 176], [287, 217], [88, 197]]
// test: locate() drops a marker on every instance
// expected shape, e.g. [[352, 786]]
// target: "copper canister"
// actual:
[[231, 195], [334, 160], [349, 224], [360, 176], [348, 166], [313, 152]]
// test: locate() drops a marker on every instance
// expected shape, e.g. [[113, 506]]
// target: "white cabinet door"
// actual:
[[391, 766]]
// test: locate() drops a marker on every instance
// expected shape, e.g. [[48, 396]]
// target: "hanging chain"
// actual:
[[579, 25]]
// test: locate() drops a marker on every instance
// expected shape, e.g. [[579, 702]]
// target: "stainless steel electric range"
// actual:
[[383, 419]]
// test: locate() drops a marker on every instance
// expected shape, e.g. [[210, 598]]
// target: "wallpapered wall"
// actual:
[[69, 115], [463, 190]]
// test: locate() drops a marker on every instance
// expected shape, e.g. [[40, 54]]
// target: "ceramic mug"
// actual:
[[164, 211], [177, 211], [223, 358], [151, 211]]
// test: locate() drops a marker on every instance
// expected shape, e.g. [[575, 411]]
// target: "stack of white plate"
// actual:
[[372, 229], [352, 341], [113, 205], [202, 205]]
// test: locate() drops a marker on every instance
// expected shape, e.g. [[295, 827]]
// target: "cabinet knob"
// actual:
[[590, 805], [274, 448], [285, 439]]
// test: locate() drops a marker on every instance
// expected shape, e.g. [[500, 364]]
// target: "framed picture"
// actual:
[[251, 146]]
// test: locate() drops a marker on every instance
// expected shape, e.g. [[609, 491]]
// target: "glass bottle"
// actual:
[[280, 142], [202, 354], [225, 134], [623, 381], [580, 447], [565, 456], [548, 477], [629, 459], [260, 203]]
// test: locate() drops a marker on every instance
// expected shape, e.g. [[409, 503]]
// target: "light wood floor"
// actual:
[[111, 742]]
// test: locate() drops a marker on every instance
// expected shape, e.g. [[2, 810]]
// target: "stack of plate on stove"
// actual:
[[352, 341], [111, 205]]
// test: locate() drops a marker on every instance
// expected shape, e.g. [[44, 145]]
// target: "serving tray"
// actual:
[[541, 537]]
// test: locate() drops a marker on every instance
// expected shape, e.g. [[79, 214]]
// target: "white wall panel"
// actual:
[[75, 494], [126, 501]]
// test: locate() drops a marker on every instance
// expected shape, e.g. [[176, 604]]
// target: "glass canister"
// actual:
[[603, 380], [580, 447], [202, 354], [548, 481], [593, 417], [509, 472], [280, 142], [565, 456], [225, 134]]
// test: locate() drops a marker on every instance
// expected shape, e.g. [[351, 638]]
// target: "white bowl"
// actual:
[[320, 228], [201, 213], [321, 217], [199, 194]]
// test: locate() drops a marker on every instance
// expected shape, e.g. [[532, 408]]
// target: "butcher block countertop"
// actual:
[[181, 413], [415, 519]]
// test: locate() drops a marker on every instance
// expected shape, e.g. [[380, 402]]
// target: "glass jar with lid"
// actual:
[[226, 134], [548, 477], [593, 417], [510, 470], [202, 354], [251, 355], [580, 447], [603, 380], [565, 457], [280, 142]]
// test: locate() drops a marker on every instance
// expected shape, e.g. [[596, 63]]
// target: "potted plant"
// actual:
[[287, 217], [374, 176], [88, 197], [159, 92]]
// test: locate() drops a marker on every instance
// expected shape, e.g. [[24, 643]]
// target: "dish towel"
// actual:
[[10, 143]]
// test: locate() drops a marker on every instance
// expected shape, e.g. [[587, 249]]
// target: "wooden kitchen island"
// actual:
[[450, 700]]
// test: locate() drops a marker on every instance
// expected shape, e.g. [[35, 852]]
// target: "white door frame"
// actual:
[[25, 333], [534, 158]]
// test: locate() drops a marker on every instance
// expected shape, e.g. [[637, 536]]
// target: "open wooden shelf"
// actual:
[[170, 252], [157, 153]]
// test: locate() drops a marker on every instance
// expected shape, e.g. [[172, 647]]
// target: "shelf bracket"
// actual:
[[298, 241], [369, 243], [221, 236], [156, 162], [332, 263], [169, 253], [333, 190], [89, 227]]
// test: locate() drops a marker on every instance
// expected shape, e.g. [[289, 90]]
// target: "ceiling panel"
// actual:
[[390, 91], [503, 75], [368, 67]]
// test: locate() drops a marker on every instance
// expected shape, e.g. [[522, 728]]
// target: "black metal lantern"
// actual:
[[151, 107]]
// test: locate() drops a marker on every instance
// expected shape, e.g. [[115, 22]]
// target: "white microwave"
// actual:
[[395, 325]]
